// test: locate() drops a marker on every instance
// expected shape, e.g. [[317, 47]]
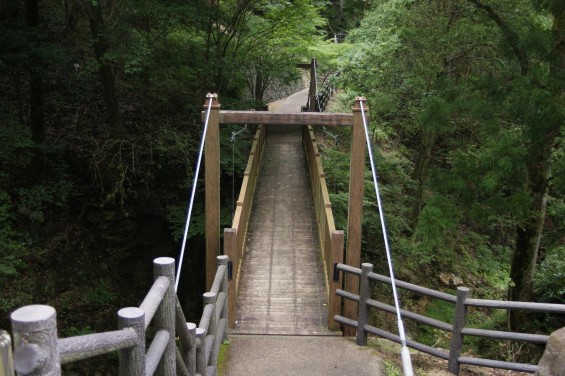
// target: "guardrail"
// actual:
[[331, 240], [235, 237], [457, 328], [325, 93], [39, 351]]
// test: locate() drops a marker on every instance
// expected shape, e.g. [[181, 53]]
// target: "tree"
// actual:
[[258, 35], [472, 92]]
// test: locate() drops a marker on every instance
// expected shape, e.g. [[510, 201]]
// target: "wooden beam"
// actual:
[[295, 118], [355, 209], [212, 187]]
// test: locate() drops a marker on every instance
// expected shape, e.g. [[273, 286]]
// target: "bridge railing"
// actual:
[[331, 241], [39, 351], [326, 92], [457, 328], [235, 237]]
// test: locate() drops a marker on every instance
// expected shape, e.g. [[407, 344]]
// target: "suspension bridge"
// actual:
[[283, 285]]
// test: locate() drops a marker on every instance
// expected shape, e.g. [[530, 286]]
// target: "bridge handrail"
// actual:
[[331, 241], [326, 91], [38, 349], [235, 237], [458, 330]]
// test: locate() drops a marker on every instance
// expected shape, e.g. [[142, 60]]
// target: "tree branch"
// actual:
[[510, 35]]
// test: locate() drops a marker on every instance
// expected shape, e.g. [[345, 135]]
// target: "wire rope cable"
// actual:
[[193, 193], [405, 353]]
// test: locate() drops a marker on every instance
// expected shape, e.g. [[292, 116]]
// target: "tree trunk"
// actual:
[[525, 256], [112, 173], [105, 69], [36, 76], [524, 259], [428, 141]]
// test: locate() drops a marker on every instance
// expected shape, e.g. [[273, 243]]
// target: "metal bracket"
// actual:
[[336, 273]]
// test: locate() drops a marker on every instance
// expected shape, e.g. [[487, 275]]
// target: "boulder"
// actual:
[[552, 362]]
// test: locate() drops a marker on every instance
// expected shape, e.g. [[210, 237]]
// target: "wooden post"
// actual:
[[313, 86], [132, 360], [165, 315], [230, 244], [364, 295], [212, 187], [355, 210], [334, 304], [456, 346]]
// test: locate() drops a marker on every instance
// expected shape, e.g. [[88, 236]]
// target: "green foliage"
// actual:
[[72, 331], [102, 295], [550, 279], [439, 310], [391, 368], [34, 199]]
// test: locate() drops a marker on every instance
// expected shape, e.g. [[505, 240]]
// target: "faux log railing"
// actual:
[[235, 237], [457, 329], [331, 240], [39, 351]]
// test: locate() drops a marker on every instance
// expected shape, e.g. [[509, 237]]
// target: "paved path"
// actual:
[[282, 288], [297, 356]]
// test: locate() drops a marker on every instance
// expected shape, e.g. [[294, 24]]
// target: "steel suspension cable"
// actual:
[[404, 353], [193, 193]]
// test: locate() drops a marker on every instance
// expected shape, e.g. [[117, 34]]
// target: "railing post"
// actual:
[[165, 315], [313, 86], [456, 346], [364, 295], [212, 187], [334, 304], [223, 260], [200, 351], [132, 360], [230, 244], [355, 209], [210, 298], [6, 363], [191, 363], [35, 340]]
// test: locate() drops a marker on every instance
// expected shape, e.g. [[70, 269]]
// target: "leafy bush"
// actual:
[[550, 278]]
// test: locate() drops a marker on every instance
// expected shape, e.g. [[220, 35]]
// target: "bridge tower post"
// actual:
[[313, 86], [355, 208], [212, 187]]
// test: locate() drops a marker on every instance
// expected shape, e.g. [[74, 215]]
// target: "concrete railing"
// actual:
[[235, 237], [39, 351], [331, 240], [457, 327]]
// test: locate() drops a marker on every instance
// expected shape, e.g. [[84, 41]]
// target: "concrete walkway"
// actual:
[[296, 356]]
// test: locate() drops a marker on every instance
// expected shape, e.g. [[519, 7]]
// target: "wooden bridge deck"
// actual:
[[282, 288]]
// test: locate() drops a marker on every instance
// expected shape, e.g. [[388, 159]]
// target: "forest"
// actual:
[[100, 124]]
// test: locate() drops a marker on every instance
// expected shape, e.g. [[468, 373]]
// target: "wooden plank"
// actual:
[[296, 118], [282, 289]]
